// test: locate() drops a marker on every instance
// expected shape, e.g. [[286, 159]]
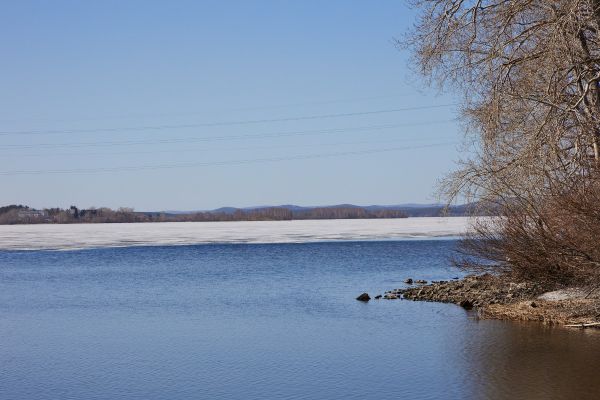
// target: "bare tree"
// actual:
[[529, 73]]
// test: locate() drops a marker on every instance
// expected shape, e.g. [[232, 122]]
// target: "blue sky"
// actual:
[[157, 105]]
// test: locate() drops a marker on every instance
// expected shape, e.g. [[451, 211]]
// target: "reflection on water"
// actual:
[[274, 321], [530, 361]]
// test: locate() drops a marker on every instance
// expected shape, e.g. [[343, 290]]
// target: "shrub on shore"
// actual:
[[555, 243]]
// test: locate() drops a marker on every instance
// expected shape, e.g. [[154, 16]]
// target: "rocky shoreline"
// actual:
[[473, 291], [497, 297]]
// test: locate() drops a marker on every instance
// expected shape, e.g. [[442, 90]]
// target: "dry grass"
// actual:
[[574, 311]]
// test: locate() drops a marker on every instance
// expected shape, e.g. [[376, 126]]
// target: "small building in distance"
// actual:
[[25, 214]]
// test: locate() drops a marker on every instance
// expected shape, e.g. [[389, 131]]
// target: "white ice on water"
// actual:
[[81, 236]]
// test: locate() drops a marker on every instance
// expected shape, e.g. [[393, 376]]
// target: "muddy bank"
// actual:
[[499, 298]]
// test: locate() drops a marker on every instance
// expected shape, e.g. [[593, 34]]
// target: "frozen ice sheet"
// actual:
[[80, 236]]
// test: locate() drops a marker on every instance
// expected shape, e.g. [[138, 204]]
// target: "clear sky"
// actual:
[[190, 105]]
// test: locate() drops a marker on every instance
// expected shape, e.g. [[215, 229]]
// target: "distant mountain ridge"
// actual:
[[410, 209]]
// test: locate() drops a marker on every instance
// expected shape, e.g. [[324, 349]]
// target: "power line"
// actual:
[[204, 149], [226, 123], [217, 163], [188, 113], [219, 137]]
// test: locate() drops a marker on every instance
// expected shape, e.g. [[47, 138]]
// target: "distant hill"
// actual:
[[410, 209]]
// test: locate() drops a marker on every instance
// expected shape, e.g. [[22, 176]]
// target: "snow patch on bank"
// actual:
[[563, 294]]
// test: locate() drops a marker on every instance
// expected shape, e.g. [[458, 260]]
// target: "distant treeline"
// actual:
[[19, 214]]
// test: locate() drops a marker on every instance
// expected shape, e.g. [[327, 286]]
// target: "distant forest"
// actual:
[[19, 214]]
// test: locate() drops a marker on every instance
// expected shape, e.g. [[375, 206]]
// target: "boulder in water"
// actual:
[[364, 297]]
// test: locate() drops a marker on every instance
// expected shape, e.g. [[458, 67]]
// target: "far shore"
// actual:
[[20, 214]]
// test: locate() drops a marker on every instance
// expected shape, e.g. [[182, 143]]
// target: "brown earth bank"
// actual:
[[498, 297]]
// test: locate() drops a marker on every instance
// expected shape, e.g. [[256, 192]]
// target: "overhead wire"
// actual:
[[217, 163], [187, 149], [191, 139], [221, 123]]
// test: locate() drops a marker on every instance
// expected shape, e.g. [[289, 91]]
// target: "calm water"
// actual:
[[272, 321]]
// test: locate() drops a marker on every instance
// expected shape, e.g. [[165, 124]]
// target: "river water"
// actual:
[[266, 321]]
